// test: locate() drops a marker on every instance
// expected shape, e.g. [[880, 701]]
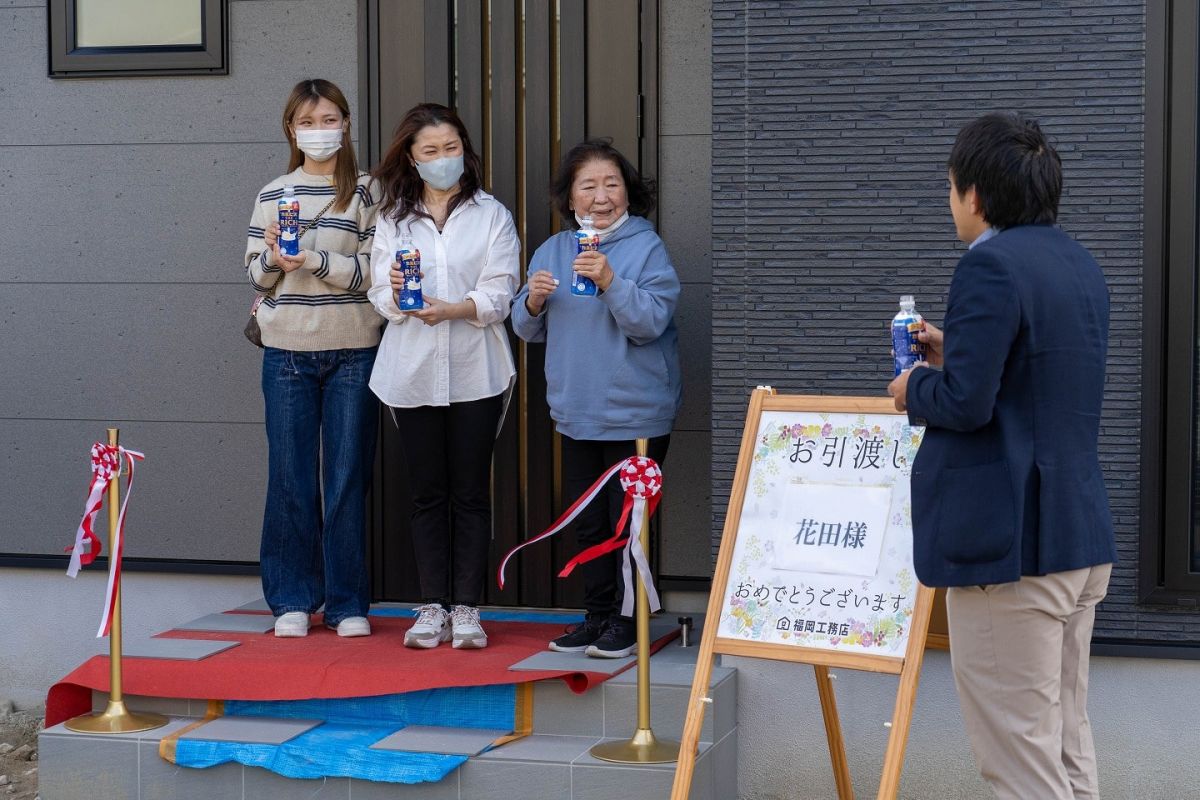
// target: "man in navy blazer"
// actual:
[[1008, 499]]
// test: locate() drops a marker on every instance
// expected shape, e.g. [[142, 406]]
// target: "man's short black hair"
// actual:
[[1016, 174]]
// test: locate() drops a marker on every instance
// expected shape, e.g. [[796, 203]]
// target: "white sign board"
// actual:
[[823, 554]]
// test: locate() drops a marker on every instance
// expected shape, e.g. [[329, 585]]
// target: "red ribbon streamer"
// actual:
[[641, 477], [106, 467]]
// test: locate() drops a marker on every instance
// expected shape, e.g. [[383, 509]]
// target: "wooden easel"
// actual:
[[907, 667]]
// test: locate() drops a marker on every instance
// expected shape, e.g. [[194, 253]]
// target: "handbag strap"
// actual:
[[308, 226], [305, 228]]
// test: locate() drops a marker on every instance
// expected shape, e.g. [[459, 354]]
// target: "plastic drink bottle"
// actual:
[[586, 239], [409, 259], [289, 222], [907, 323]]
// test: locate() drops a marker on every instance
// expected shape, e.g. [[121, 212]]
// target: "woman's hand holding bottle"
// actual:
[[288, 263], [594, 264]]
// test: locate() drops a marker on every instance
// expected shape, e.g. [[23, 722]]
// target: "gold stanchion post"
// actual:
[[644, 747], [116, 718]]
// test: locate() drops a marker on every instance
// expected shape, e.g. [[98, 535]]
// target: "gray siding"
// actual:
[[831, 126], [122, 297]]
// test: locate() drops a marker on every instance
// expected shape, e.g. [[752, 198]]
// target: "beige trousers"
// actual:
[[1020, 657]]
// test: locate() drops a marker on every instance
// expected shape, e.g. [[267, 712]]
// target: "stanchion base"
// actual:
[[643, 748], [115, 719]]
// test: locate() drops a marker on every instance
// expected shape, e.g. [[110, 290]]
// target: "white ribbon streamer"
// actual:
[[635, 552]]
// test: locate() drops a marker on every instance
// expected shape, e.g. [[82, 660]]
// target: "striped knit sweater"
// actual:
[[322, 305]]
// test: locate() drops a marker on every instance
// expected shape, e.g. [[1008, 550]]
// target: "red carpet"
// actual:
[[321, 665]]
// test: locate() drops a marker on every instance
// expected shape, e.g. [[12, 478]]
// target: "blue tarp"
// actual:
[[341, 746]]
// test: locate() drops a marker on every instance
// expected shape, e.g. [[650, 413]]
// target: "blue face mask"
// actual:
[[441, 173]]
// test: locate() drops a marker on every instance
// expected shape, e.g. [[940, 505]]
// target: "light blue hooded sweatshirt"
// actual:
[[612, 361]]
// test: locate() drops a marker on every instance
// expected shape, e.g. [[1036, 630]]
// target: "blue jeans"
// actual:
[[322, 421]]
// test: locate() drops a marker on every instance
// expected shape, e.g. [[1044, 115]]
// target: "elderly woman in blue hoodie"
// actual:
[[612, 359]]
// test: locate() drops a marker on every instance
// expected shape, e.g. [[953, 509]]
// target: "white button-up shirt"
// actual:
[[477, 255]]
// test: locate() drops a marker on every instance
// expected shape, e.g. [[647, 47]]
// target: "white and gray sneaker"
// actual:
[[291, 625], [431, 628], [468, 633]]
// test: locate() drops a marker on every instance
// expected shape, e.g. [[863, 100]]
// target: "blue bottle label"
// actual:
[[410, 298], [908, 349], [582, 286], [289, 227]]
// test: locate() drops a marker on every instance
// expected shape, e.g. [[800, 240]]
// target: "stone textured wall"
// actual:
[[832, 122]]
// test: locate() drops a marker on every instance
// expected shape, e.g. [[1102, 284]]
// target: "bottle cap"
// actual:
[[289, 190], [586, 221], [906, 300]]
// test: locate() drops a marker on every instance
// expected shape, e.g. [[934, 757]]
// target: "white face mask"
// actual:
[[441, 173], [610, 230], [320, 144]]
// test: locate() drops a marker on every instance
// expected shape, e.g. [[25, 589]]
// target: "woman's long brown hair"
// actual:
[[345, 173], [399, 180]]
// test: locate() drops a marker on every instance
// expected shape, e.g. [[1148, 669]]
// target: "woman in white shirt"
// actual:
[[446, 369]]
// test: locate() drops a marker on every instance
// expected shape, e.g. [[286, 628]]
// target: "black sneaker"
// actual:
[[617, 640], [579, 636]]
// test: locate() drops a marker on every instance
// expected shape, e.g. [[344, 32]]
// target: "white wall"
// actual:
[[1145, 719], [48, 621]]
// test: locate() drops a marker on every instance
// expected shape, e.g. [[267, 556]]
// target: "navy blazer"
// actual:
[[1007, 481]]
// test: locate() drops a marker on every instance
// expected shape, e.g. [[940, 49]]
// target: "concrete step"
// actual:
[[73, 766], [554, 763]]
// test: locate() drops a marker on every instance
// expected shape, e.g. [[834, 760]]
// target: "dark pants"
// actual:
[[583, 461], [449, 454], [321, 428]]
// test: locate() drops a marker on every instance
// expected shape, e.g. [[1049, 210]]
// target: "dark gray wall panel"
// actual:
[[832, 122], [122, 298], [163, 352], [272, 45], [684, 216], [169, 213], [693, 318], [685, 192], [686, 505], [685, 67], [197, 495]]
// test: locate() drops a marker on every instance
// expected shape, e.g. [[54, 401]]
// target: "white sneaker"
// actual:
[[291, 625], [468, 633], [354, 626], [430, 629]]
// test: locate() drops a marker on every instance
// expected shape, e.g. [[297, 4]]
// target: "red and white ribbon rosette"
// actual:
[[106, 467], [641, 478]]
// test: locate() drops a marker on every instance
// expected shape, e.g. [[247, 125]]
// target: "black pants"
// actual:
[[583, 461], [449, 454]]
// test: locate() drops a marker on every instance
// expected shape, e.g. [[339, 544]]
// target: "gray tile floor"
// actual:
[[251, 730], [437, 739], [174, 649], [239, 623]]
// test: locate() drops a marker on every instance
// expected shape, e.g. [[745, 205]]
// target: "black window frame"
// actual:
[[1169, 306], [65, 60]]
